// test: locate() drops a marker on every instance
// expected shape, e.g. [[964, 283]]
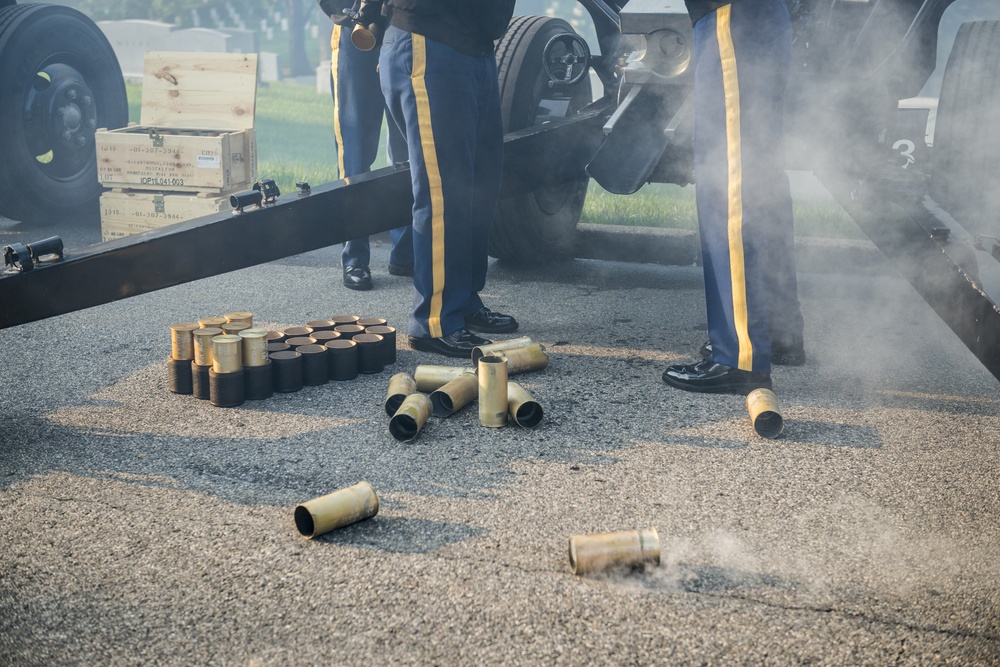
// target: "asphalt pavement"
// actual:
[[142, 527]]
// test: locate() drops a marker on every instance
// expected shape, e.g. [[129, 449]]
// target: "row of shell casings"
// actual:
[[587, 553], [452, 388], [228, 369]]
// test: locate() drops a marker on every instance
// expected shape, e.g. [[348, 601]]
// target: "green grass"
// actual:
[[295, 143]]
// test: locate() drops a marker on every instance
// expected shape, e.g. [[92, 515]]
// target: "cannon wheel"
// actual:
[[542, 224], [59, 82], [965, 180]]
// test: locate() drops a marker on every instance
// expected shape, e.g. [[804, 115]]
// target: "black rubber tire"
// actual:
[[965, 179], [540, 225], [38, 38]]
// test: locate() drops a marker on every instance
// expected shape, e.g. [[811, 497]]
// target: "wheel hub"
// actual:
[[60, 113]]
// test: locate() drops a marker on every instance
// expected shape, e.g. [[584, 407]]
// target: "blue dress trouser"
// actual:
[[742, 58], [358, 109], [449, 103]]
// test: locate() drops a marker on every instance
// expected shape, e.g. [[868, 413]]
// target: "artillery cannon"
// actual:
[[856, 63]]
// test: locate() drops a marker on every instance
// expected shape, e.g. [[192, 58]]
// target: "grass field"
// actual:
[[295, 143]]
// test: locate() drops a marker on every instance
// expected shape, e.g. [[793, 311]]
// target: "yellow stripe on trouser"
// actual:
[[734, 156], [434, 182], [334, 62]]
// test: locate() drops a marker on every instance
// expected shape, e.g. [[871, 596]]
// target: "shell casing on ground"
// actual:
[[337, 509], [522, 407], [524, 359], [321, 325], [401, 385], [492, 391], [410, 417], [181, 340], [430, 377], [202, 339], [600, 551], [499, 346], [344, 319], [234, 328], [240, 316], [254, 347], [227, 354], [297, 332], [372, 322], [456, 394], [765, 413], [212, 322]]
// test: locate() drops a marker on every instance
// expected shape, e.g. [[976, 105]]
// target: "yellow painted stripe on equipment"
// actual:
[[433, 180], [334, 60], [734, 156]]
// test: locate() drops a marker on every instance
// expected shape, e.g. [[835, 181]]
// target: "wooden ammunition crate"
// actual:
[[125, 212], [196, 126]]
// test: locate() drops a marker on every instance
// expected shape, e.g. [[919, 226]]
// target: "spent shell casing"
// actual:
[[600, 551], [499, 346], [492, 391], [410, 417], [337, 509], [522, 407], [524, 359], [430, 377], [401, 385], [765, 413], [452, 397]]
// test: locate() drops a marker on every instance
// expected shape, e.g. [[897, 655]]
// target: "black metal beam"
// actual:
[[902, 232], [295, 223]]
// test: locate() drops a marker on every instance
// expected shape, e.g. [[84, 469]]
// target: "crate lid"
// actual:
[[211, 91]]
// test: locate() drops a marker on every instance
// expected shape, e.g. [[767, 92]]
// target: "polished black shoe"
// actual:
[[708, 377], [357, 277], [456, 344], [401, 269], [788, 350], [487, 321], [785, 350]]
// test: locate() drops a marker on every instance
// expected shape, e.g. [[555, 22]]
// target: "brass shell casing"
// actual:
[[430, 377], [181, 341], [627, 548], [765, 413], [524, 359], [337, 509], [202, 339], [234, 328], [241, 316], [452, 397], [254, 347], [227, 355], [211, 322], [410, 417], [522, 408], [499, 346], [401, 385], [492, 391]]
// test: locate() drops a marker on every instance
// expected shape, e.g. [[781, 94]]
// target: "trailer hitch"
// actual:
[[23, 256]]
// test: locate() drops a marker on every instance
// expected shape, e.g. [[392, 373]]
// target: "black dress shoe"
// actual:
[[785, 350], [486, 321], [456, 344], [788, 350], [708, 377], [401, 269], [357, 277]]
